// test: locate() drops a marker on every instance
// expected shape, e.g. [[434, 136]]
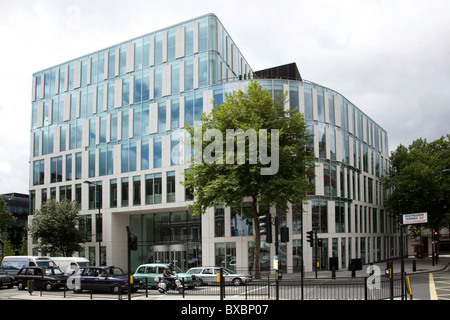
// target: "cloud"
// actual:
[[389, 58]]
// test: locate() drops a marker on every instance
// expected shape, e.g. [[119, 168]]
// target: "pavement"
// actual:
[[424, 265]]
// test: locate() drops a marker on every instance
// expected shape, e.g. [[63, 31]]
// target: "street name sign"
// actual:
[[412, 218]]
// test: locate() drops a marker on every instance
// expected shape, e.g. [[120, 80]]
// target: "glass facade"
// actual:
[[117, 117]]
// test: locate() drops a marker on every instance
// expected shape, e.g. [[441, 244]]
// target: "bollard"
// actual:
[[353, 271], [414, 266], [333, 272]]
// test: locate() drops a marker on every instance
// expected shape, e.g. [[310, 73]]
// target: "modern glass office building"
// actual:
[[108, 130]]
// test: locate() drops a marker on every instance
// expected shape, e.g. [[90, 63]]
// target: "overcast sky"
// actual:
[[390, 58]]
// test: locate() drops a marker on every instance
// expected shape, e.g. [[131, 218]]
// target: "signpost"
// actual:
[[410, 218]]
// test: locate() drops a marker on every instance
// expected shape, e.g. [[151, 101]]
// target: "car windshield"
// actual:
[[45, 263], [83, 264], [229, 271], [115, 271], [53, 271]]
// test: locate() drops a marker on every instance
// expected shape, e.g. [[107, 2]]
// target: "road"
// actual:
[[425, 286]]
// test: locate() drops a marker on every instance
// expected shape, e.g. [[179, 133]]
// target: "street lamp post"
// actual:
[[99, 240]]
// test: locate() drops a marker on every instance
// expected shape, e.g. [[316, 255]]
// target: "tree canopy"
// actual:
[[271, 169], [56, 228], [419, 181]]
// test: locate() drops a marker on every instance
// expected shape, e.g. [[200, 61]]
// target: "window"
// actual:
[[103, 128], [308, 103], [240, 224], [56, 169], [124, 198], [188, 196], [128, 156], [91, 163], [320, 106], [145, 154], [153, 188], [149, 180], [65, 193], [340, 216], [113, 193], [219, 221], [78, 165], [157, 152], [136, 121], [322, 142], [161, 116], [68, 167], [112, 63], [175, 148], [92, 129], [95, 195], [319, 215], [125, 125], [137, 191], [113, 127], [170, 186]]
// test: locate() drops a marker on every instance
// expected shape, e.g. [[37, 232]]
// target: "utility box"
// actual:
[[355, 262], [333, 263]]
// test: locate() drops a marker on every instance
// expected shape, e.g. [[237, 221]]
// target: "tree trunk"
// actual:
[[256, 254]]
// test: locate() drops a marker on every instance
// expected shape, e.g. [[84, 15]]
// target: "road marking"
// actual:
[[433, 294]]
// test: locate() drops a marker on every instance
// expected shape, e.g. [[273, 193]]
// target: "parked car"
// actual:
[[149, 271], [207, 275], [49, 278], [5, 279], [109, 279]]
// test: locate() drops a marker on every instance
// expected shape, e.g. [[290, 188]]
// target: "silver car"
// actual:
[[207, 275]]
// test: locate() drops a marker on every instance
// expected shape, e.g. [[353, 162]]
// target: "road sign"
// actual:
[[413, 218]]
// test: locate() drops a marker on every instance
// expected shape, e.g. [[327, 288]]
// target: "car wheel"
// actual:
[[48, 287], [77, 289], [20, 285], [237, 281], [115, 289]]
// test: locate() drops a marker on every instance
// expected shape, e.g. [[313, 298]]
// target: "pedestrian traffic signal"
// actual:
[[132, 242], [310, 238], [319, 242], [265, 226]]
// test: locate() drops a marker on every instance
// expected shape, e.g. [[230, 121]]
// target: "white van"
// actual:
[[12, 264], [70, 264]]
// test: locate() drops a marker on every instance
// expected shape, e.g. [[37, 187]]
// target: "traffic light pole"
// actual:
[[129, 262], [315, 251]]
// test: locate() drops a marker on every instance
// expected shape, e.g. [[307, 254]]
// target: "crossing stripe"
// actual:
[[433, 294]]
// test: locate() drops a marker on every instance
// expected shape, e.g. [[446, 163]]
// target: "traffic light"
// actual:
[[310, 238], [436, 236], [132, 242], [319, 242], [284, 231], [265, 226]]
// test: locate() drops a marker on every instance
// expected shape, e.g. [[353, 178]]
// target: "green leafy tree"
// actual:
[[223, 173], [419, 181], [23, 251], [55, 226], [6, 217]]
